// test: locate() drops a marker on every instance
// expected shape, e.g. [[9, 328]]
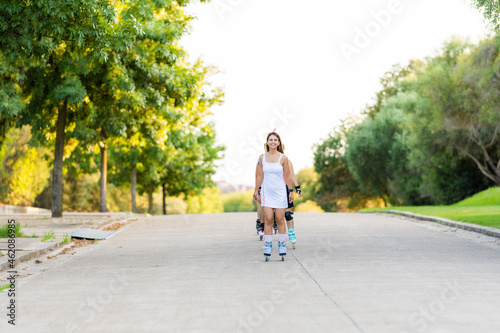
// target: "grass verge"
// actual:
[[489, 197], [48, 236], [66, 239], [488, 216], [4, 287], [4, 231]]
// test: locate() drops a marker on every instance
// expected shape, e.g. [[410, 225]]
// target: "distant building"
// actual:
[[226, 187]]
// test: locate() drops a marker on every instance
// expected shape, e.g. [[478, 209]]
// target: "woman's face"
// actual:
[[273, 142]]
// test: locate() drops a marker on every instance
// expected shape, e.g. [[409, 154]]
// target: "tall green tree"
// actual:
[[336, 182], [55, 37], [464, 97], [370, 149], [144, 86]]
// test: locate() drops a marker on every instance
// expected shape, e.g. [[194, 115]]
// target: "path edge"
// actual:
[[488, 231]]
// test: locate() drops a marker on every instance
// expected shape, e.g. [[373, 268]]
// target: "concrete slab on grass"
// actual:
[[86, 233]]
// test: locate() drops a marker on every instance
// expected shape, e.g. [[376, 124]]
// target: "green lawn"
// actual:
[[489, 197], [482, 208], [488, 216]]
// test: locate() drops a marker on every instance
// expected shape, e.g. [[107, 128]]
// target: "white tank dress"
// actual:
[[273, 187]]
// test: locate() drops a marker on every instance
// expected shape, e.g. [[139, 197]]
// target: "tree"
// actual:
[[371, 146], [11, 100], [338, 190], [391, 85], [55, 38], [145, 87], [141, 84], [464, 97], [491, 11], [308, 181]]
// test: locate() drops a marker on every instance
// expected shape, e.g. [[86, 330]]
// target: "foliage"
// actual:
[[433, 136], [11, 101], [239, 202], [81, 194], [4, 230], [336, 183], [89, 74], [209, 201], [23, 171], [38, 27], [48, 236], [66, 240], [309, 185], [491, 11], [391, 82], [372, 146], [308, 206], [176, 205], [462, 91]]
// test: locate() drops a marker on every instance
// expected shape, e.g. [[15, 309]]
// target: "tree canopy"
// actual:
[[92, 76], [432, 137]]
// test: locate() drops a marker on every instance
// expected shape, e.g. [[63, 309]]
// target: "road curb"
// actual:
[[493, 232], [32, 255], [129, 219]]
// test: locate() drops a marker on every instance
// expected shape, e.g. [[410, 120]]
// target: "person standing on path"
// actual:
[[288, 212], [260, 218], [273, 174]]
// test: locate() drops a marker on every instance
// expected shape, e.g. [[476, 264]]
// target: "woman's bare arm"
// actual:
[[259, 177], [288, 179], [292, 174]]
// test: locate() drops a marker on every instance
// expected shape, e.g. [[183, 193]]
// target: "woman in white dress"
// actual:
[[271, 173]]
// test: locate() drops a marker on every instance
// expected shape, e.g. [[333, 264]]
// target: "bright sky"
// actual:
[[303, 66]]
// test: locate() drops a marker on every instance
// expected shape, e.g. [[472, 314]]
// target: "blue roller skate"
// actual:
[[291, 237], [282, 250], [268, 248]]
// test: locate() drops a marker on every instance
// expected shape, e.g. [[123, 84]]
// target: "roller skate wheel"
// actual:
[[261, 237]]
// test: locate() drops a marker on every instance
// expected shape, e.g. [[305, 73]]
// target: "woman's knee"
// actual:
[[280, 216]]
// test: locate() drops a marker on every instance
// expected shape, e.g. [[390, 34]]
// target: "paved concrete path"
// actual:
[[206, 273]]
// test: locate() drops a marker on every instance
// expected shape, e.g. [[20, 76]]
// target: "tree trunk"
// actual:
[[150, 197], [133, 183], [104, 172], [164, 191], [384, 200], [57, 176], [483, 167]]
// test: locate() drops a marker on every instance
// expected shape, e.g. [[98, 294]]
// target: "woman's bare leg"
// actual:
[[280, 220], [268, 214]]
